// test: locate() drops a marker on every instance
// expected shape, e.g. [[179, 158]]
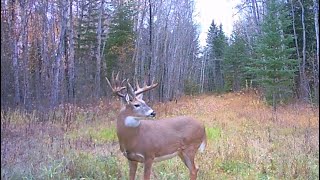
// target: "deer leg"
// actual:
[[147, 169], [132, 169], [187, 156]]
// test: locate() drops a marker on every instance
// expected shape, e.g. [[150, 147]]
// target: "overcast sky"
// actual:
[[221, 11]]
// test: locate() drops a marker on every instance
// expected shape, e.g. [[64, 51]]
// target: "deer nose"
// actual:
[[153, 114]]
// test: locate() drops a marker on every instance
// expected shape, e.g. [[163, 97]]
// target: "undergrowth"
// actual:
[[246, 140]]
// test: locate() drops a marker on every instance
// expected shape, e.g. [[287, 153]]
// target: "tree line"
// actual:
[[57, 51], [274, 47]]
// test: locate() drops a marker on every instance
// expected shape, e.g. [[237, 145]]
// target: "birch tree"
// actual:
[[303, 79], [98, 51], [316, 64]]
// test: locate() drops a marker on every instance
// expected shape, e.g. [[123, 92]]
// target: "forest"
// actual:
[[57, 52], [256, 90]]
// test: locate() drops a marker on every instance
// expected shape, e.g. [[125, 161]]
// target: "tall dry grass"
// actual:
[[246, 140]]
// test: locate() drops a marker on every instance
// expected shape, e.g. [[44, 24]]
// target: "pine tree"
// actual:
[[274, 67]]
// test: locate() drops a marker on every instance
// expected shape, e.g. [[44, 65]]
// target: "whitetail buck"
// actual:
[[148, 141]]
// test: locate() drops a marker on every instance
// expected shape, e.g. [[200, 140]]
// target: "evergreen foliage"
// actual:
[[235, 62], [274, 67], [87, 35], [216, 45], [120, 42]]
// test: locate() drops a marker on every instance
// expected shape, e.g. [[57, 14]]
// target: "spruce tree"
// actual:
[[87, 35], [236, 58], [216, 44], [120, 42], [274, 67]]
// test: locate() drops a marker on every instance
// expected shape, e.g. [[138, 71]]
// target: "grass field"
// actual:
[[246, 140]]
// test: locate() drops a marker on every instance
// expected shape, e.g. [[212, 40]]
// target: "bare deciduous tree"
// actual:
[[59, 53]]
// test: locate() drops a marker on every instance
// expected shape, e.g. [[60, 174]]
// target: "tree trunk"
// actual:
[[255, 12], [203, 69], [98, 54], [3, 53], [15, 71], [236, 82], [150, 47], [59, 53], [316, 66], [14, 44], [25, 59], [71, 68], [44, 69], [303, 79], [38, 81], [294, 30], [296, 43], [139, 57]]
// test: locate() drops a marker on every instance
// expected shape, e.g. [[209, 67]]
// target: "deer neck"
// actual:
[[128, 128], [131, 121], [127, 120]]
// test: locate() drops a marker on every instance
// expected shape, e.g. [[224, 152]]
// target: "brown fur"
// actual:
[[152, 139]]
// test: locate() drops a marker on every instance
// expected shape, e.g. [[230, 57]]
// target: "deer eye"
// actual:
[[137, 105]]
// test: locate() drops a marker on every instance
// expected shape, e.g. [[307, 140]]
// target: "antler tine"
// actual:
[[117, 85], [112, 75], [116, 80], [112, 84], [137, 84], [145, 87], [109, 82], [117, 77], [130, 89]]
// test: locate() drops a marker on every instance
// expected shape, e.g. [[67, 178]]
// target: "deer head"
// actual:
[[132, 98]]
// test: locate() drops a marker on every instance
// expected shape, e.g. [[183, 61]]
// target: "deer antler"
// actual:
[[145, 87], [130, 90], [117, 85]]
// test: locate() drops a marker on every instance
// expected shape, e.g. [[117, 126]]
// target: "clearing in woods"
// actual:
[[246, 140]]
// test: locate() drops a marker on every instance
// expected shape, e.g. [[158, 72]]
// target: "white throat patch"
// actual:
[[131, 121]]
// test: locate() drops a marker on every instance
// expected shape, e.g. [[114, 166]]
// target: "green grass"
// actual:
[[97, 135], [235, 167], [95, 167], [213, 133], [171, 169], [103, 135]]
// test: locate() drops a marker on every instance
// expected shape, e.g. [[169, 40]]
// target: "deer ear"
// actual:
[[140, 96]]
